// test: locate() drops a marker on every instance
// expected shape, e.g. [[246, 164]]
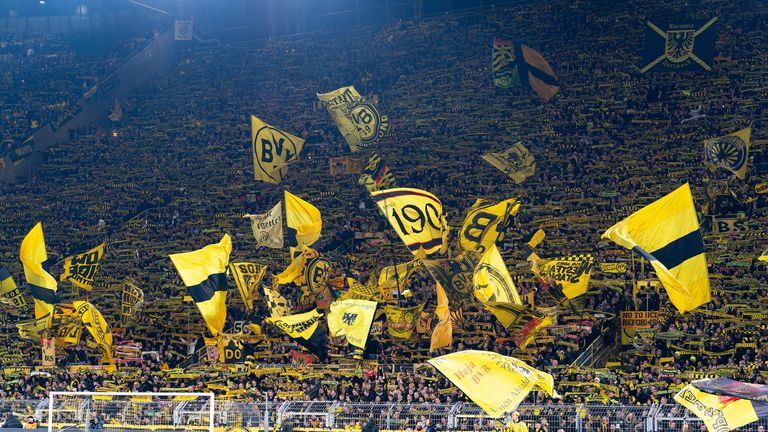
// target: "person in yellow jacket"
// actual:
[[515, 425]]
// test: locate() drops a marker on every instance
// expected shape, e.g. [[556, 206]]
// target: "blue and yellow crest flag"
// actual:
[[666, 232], [679, 46]]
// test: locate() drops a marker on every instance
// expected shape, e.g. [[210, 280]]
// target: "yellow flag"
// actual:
[[43, 286], [352, 319], [763, 257], [666, 232], [97, 326], [537, 238], [522, 322], [303, 220], [730, 152], [569, 274], [442, 335], [294, 273], [273, 149], [132, 299], [390, 276], [33, 330], [81, 269], [9, 292], [299, 325], [247, 277], [492, 279], [358, 120], [416, 216], [204, 273], [517, 162], [496, 383], [486, 224], [724, 404], [278, 305], [402, 321]]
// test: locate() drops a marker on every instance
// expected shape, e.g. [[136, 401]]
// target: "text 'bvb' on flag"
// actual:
[[358, 120], [273, 149], [666, 232], [486, 224], [496, 383], [204, 273]]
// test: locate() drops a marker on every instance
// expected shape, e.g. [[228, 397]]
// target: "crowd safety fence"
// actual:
[[345, 416]]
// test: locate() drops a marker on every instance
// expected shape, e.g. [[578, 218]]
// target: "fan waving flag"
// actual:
[[666, 232], [303, 220], [486, 223], [724, 404], [204, 273], [81, 269], [32, 255], [416, 216], [273, 150], [496, 383], [730, 152], [517, 64], [679, 46]]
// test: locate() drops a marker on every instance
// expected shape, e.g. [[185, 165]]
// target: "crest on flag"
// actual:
[[247, 277], [679, 46], [268, 227], [517, 162], [730, 152], [273, 150], [358, 120]]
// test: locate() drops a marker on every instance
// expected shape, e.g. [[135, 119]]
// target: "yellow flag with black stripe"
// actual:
[[303, 220], [81, 269], [97, 326], [204, 272], [486, 224], [724, 404], [666, 232], [43, 286], [9, 292], [417, 218], [273, 149], [352, 319], [492, 279], [247, 277], [496, 383]]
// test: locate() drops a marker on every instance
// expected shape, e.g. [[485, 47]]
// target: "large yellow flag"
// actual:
[[273, 149], [81, 269], [248, 277], [358, 120], [666, 232], [730, 152], [97, 326], [303, 220], [496, 383], [402, 321], [442, 335], [204, 273], [724, 404], [517, 162], [522, 322], [416, 216], [400, 274], [298, 325], [486, 224], [32, 255], [492, 279], [352, 319]]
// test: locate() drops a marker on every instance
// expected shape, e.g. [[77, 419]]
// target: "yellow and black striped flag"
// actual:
[[518, 64], [204, 273], [9, 292], [305, 329], [43, 286], [666, 232]]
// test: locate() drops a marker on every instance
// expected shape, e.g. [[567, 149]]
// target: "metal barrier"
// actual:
[[458, 417]]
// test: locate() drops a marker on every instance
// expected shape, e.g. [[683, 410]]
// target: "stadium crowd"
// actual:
[[175, 174]]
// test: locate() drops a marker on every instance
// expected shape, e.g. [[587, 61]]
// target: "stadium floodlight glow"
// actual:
[[42, 1]]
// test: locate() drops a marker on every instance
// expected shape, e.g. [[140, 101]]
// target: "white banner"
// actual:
[[268, 227]]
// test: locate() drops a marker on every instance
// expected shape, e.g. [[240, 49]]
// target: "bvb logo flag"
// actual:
[[486, 224], [352, 319], [273, 149], [43, 286], [416, 216], [268, 227], [376, 175], [571, 274], [402, 321], [247, 277], [358, 120], [496, 383], [303, 220], [316, 273], [9, 292], [666, 232], [517, 162], [97, 326], [81, 269], [204, 273], [132, 299], [492, 280], [456, 276], [675, 47], [515, 64], [730, 152], [724, 404]]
